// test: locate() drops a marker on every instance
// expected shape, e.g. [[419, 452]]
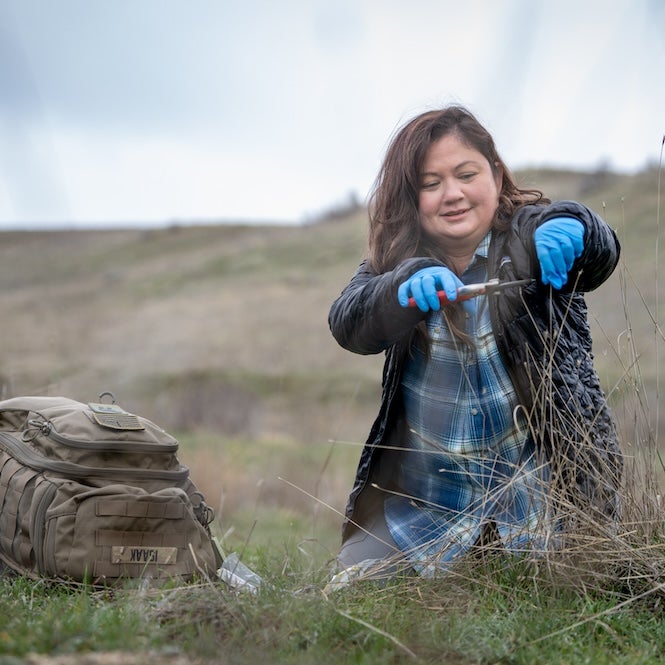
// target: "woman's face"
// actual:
[[459, 195]]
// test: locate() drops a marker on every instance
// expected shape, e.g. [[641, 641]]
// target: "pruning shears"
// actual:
[[469, 291]]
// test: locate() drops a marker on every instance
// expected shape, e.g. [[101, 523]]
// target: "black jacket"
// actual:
[[544, 339]]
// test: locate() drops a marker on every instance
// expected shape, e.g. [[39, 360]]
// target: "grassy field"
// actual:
[[219, 334], [485, 612]]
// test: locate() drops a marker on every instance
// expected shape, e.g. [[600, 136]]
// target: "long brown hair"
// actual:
[[395, 232]]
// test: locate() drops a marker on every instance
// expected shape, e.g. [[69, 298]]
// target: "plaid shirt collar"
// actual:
[[482, 250]]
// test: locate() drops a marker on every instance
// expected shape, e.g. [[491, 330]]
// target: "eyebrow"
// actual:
[[461, 165]]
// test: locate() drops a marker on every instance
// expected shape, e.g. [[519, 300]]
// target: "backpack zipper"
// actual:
[[31, 458], [46, 428]]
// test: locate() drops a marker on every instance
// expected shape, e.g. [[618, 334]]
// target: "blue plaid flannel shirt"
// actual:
[[469, 456]]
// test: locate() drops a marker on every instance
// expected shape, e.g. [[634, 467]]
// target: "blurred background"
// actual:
[[182, 196], [146, 111]]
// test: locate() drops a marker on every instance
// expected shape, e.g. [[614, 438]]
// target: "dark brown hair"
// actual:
[[395, 232]]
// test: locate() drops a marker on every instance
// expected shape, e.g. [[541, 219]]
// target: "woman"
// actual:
[[493, 425]]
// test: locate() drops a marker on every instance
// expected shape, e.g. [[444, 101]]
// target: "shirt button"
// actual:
[[474, 411]]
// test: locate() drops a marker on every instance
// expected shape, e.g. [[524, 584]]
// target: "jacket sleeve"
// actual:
[[366, 318], [601, 245]]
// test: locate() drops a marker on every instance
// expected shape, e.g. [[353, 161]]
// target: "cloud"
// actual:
[[151, 109]]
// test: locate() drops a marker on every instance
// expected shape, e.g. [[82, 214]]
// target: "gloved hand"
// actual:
[[424, 284], [559, 242]]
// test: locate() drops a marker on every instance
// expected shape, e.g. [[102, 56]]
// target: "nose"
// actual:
[[452, 191]]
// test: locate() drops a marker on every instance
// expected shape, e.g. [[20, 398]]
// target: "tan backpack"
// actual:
[[90, 492]]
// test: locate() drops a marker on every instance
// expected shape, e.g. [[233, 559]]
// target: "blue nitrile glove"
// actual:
[[559, 242], [424, 284]]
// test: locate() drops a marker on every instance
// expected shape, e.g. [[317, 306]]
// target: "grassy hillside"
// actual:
[[220, 335], [138, 312], [221, 332]]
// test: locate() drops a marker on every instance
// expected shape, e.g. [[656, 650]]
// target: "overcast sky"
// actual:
[[150, 111]]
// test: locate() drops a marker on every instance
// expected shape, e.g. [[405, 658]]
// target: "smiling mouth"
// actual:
[[456, 213]]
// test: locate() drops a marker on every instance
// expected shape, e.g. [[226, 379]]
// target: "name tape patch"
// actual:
[[163, 556]]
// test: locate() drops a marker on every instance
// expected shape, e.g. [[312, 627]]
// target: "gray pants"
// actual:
[[372, 542]]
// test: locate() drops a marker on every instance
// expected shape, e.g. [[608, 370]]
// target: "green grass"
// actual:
[[498, 612], [37, 617]]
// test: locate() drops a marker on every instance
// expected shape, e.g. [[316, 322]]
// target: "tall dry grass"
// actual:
[[624, 555], [624, 558]]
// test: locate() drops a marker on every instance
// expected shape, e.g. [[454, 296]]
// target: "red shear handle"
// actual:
[[463, 293]]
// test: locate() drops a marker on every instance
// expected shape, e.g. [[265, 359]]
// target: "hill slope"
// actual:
[[225, 327]]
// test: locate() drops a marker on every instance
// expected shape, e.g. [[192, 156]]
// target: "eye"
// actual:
[[429, 184], [469, 175]]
